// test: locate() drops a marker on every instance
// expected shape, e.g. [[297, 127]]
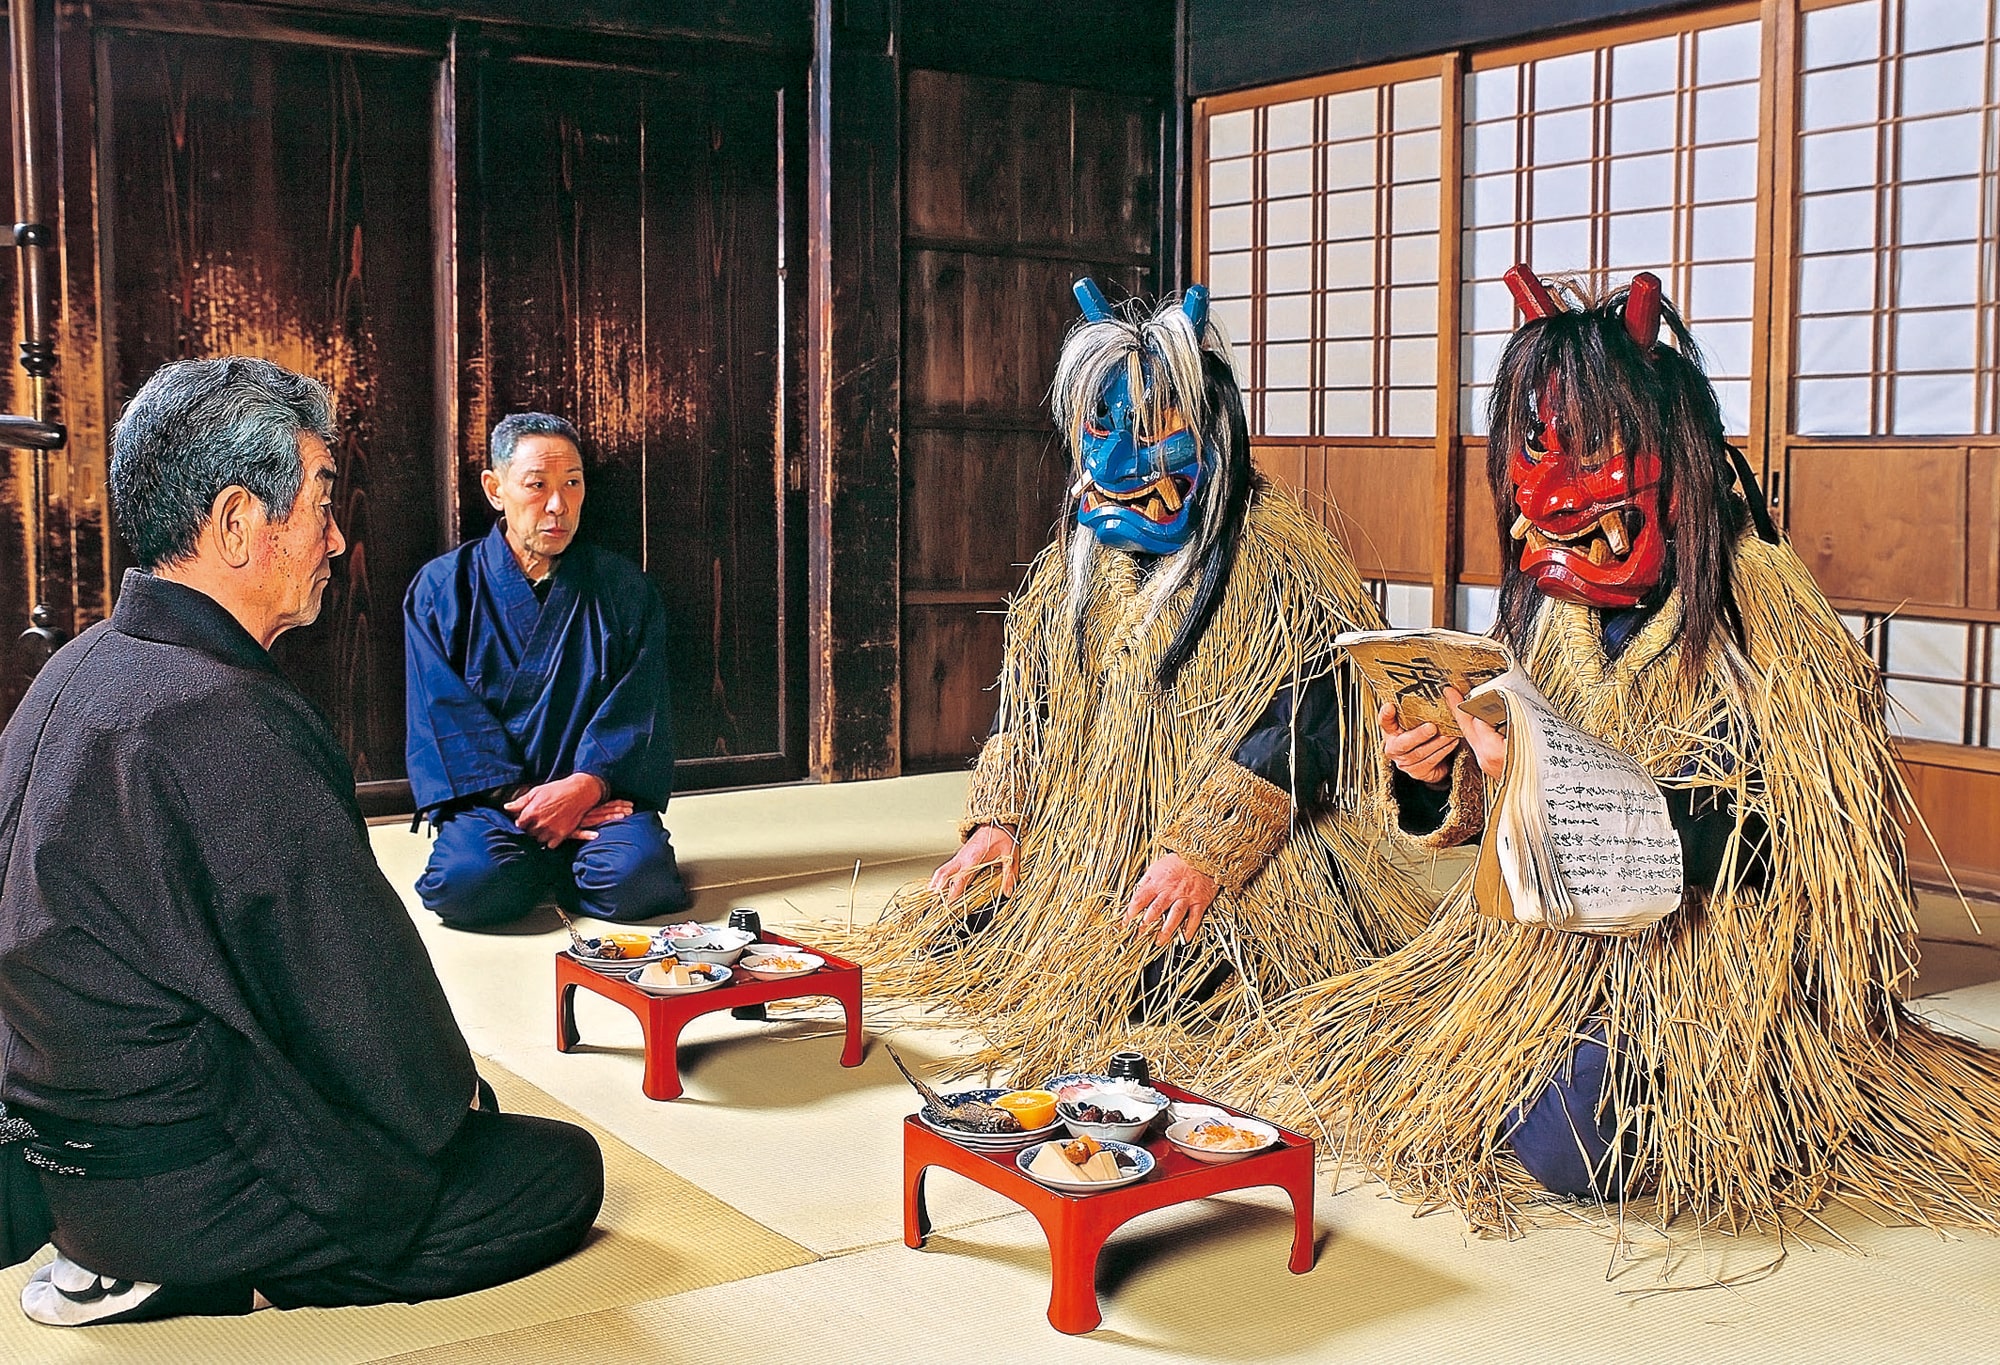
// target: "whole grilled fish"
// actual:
[[971, 1115]]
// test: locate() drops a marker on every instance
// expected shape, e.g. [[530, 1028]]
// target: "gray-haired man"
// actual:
[[229, 1068], [541, 738]]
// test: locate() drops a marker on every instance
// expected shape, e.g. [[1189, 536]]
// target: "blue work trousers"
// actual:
[[485, 871]]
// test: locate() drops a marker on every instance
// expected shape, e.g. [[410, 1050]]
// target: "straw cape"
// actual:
[[1101, 772], [1763, 1062]]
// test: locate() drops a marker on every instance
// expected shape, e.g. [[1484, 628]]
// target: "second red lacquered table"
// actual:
[[1077, 1225], [662, 1017]]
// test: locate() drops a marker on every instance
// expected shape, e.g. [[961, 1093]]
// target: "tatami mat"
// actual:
[[658, 1235], [759, 1217], [761, 1098], [1208, 1282]]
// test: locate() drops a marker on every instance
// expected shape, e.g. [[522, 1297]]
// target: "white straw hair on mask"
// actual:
[[1162, 358]]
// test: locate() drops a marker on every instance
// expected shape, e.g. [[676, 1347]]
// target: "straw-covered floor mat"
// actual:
[[658, 1235]]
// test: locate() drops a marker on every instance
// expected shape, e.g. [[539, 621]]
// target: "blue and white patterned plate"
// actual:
[[983, 1142], [1137, 1163]]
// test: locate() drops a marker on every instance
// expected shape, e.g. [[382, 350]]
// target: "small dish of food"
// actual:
[[782, 965], [722, 947], [677, 978], [1079, 1085], [967, 1118], [1085, 1166], [1108, 1115], [1219, 1141]]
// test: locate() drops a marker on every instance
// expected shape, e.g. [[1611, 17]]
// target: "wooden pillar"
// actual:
[[1448, 541], [853, 392]]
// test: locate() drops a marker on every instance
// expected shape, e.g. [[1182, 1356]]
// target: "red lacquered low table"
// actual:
[[1078, 1224], [662, 1017]]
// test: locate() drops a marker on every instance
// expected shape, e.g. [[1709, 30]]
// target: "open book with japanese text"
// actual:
[[1577, 833]]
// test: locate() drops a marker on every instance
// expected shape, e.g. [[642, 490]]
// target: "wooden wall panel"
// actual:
[[1958, 790], [1384, 507], [1982, 529], [943, 644], [1881, 526], [17, 470], [628, 233], [271, 199], [1478, 529], [1013, 189]]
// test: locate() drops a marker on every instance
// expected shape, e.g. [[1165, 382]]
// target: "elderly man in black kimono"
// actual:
[[230, 1074]]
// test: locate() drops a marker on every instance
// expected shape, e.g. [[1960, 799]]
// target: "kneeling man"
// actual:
[[541, 743], [228, 1062]]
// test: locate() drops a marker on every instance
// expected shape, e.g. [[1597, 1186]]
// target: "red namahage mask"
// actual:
[[1590, 533]]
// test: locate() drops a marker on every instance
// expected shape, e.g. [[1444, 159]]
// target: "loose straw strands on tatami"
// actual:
[[1094, 761]]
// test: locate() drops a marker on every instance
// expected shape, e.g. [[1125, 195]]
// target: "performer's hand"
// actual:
[[984, 846], [551, 812], [601, 814], [1488, 745], [1173, 895], [1422, 753]]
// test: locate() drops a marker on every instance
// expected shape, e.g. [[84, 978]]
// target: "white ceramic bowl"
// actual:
[[1137, 1161], [1079, 1083], [719, 976], [1121, 1101], [758, 966], [1177, 1133], [723, 947]]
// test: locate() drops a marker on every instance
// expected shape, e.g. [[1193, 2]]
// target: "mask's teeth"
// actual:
[[1613, 526], [1536, 540], [1169, 491], [1153, 510], [1521, 527], [1600, 553]]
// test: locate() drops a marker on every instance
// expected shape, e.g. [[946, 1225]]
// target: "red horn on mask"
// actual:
[[1531, 293], [1642, 309]]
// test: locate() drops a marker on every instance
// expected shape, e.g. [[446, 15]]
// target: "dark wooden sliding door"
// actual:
[[447, 226], [633, 232], [273, 199]]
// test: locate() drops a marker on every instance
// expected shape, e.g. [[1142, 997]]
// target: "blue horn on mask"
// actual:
[[1096, 308], [1195, 304]]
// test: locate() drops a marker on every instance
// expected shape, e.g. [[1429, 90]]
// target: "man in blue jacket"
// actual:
[[540, 735]]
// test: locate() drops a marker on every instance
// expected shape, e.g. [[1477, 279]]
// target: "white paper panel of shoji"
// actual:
[[1603, 163], [1323, 243], [1896, 224]]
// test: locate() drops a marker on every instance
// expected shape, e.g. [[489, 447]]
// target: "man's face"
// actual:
[[540, 496], [294, 557]]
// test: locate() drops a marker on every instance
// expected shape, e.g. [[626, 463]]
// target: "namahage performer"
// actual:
[[1748, 1056], [1172, 818]]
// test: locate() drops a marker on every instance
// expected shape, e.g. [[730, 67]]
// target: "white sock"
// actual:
[[65, 1294]]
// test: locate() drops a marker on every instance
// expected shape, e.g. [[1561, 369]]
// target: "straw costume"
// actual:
[[1168, 686], [1747, 1057]]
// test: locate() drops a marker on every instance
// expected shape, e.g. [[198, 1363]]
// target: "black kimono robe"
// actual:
[[193, 927]]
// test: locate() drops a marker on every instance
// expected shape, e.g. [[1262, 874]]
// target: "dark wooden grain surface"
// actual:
[[271, 199], [627, 230], [1014, 189]]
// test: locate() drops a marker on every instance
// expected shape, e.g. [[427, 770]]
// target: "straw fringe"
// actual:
[[1465, 812], [1107, 761], [1767, 1065], [1232, 825], [996, 795]]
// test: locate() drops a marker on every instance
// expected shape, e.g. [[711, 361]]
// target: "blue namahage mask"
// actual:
[[1138, 496]]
